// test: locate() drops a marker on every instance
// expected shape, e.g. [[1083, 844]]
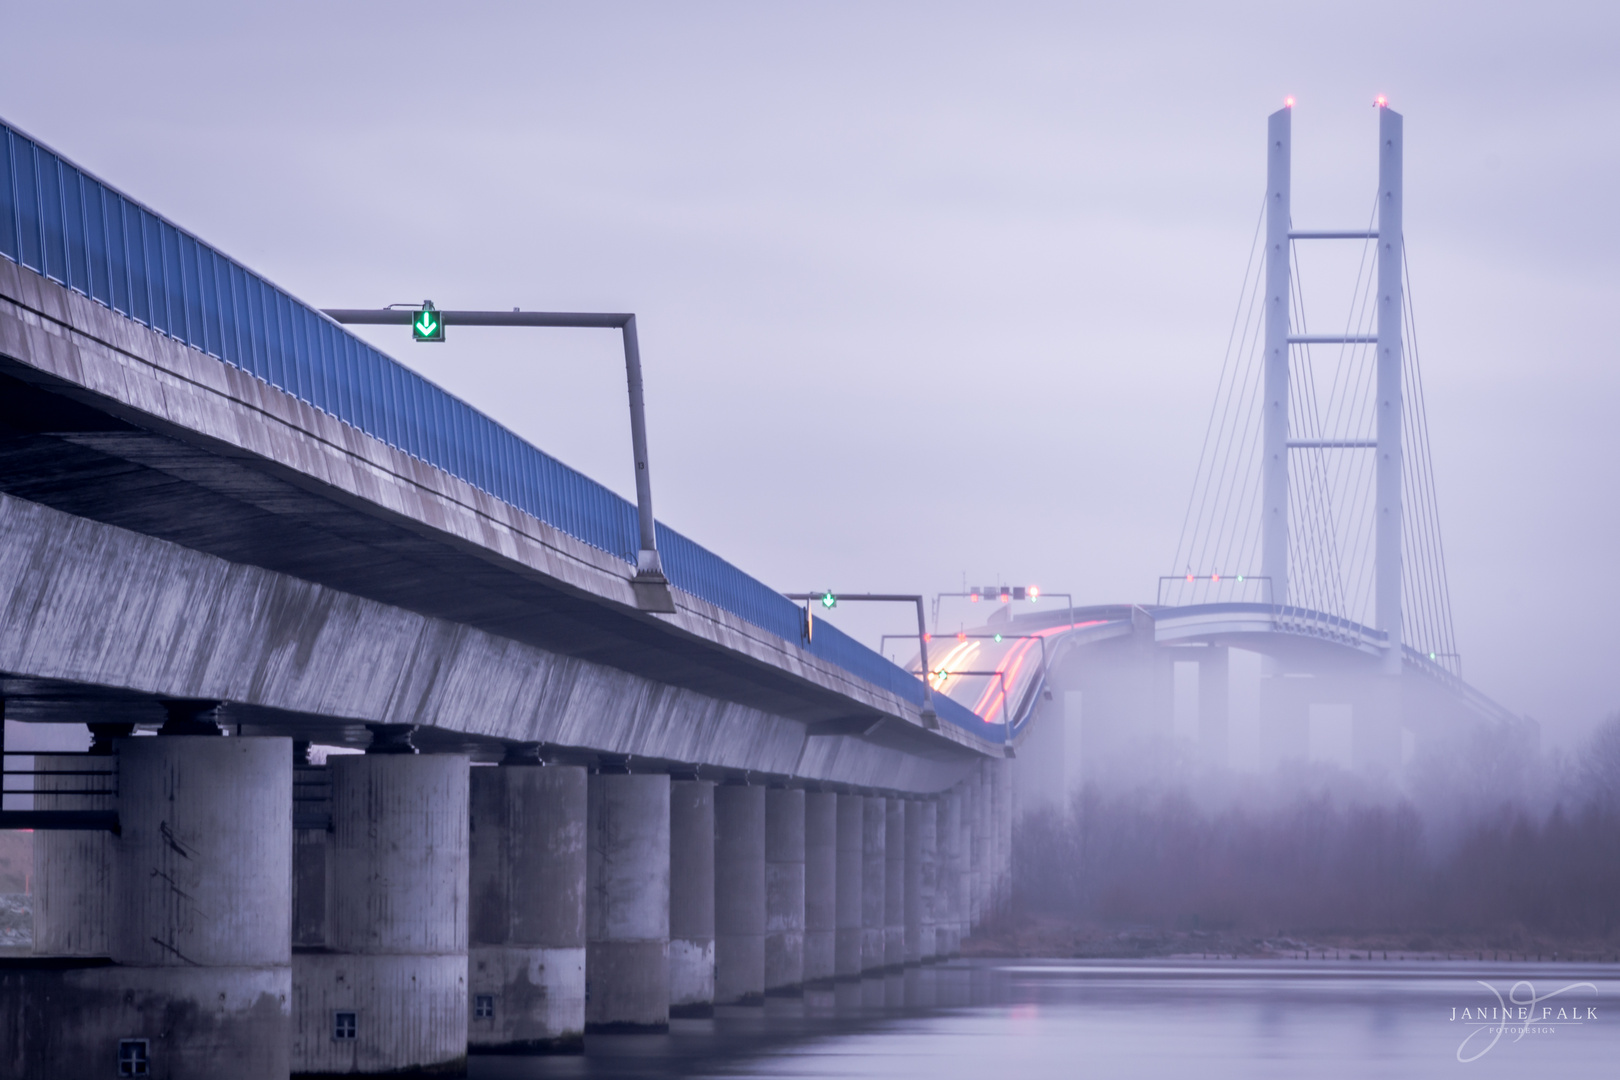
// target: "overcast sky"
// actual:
[[924, 290]]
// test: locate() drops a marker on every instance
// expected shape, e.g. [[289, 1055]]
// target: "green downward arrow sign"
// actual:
[[427, 327]]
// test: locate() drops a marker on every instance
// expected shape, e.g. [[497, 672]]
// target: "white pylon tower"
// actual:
[[1278, 344]]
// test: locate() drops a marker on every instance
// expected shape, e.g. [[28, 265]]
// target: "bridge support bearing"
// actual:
[[894, 884], [739, 895], [197, 935], [627, 904], [874, 873], [784, 891], [691, 898], [389, 994], [526, 910], [851, 833], [921, 876], [820, 887]]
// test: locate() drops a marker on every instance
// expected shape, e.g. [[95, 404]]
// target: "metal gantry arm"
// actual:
[[650, 585], [929, 717]]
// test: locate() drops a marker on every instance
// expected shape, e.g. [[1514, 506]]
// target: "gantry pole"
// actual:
[[1274, 424], [1390, 261]]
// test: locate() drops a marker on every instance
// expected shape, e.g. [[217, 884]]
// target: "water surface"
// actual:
[[1144, 1020]]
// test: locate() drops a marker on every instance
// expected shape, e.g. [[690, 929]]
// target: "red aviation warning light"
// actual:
[[1381, 101], [1288, 102]]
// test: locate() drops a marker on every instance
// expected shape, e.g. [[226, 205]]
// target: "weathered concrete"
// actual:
[[850, 893], [976, 808], [874, 878], [208, 456], [1004, 823], [739, 895], [691, 898], [397, 956], [784, 890], [820, 887], [156, 618], [921, 945], [627, 903], [526, 920], [314, 877], [73, 871], [199, 927], [949, 905], [894, 884]]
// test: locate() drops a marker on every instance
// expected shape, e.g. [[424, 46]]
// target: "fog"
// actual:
[[1482, 842]]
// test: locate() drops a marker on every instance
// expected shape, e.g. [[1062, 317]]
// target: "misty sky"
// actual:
[[924, 290]]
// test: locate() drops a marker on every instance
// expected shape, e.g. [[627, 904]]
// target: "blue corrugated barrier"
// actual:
[[57, 219]]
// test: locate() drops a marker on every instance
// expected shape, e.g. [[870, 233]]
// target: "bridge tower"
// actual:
[[1279, 340]]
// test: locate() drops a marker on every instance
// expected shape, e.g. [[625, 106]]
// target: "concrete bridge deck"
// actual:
[[204, 535]]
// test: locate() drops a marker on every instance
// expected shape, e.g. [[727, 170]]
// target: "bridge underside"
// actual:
[[177, 529]]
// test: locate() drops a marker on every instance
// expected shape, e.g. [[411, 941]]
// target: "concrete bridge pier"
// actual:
[[921, 935], [1376, 723], [627, 902], [1285, 715], [739, 895], [691, 897], [820, 887], [850, 889], [526, 916], [195, 921], [1214, 705], [976, 809], [74, 871], [948, 890], [203, 905], [1001, 771], [874, 873], [389, 994], [784, 891], [894, 884]]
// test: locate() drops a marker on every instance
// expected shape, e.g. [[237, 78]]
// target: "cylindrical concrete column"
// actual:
[[977, 807], [627, 903], [73, 871], [390, 993], [874, 877], [992, 826], [957, 898], [739, 895], [851, 864], [1004, 826], [820, 886], [920, 879], [894, 884], [201, 930], [691, 898], [784, 891], [526, 933], [948, 899]]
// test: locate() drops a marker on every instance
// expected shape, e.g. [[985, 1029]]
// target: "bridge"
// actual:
[[1312, 539], [403, 741]]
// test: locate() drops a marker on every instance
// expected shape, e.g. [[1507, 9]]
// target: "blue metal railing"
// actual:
[[60, 221]]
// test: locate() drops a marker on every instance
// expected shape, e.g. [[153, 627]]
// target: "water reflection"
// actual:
[[1106, 1019]]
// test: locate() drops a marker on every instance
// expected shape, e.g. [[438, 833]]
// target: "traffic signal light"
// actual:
[[828, 600], [428, 324]]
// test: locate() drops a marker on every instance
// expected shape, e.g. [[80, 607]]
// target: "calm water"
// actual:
[[1144, 1020]]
